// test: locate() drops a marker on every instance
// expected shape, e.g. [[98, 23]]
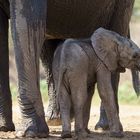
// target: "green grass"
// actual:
[[14, 91], [126, 94], [136, 11], [44, 90]]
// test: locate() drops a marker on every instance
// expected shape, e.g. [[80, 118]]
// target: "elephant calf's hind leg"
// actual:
[[65, 105]]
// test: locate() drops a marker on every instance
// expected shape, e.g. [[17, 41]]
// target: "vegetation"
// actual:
[[126, 94], [136, 11]]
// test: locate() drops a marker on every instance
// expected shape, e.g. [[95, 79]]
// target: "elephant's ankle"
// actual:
[[80, 134], [53, 117], [33, 127], [102, 124], [87, 130], [6, 124], [66, 134], [116, 134], [52, 112], [7, 127], [116, 130]]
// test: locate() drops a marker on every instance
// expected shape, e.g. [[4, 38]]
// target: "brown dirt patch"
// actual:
[[129, 115]]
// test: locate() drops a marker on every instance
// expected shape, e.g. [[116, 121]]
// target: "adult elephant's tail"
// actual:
[[136, 81]]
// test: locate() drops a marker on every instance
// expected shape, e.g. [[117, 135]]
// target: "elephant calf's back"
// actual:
[[77, 18]]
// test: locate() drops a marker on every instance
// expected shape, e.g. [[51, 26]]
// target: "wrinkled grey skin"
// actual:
[[47, 53], [6, 123], [32, 21], [78, 65]]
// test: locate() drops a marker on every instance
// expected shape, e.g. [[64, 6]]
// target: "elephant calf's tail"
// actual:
[[61, 71]]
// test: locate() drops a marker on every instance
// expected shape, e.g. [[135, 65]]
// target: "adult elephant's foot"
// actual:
[[87, 130], [6, 123], [6, 120], [35, 127], [5, 127], [53, 117], [102, 124]]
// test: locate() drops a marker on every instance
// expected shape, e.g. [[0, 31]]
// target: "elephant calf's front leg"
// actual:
[[103, 123], [107, 96]]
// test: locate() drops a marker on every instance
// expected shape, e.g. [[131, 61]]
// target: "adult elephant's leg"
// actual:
[[103, 121], [47, 53], [6, 123], [28, 29], [102, 124]]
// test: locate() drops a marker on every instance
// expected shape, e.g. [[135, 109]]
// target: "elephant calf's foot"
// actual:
[[66, 134], [81, 134], [7, 127], [31, 128], [117, 134]]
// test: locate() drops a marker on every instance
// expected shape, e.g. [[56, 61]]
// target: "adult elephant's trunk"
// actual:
[[135, 76], [136, 81]]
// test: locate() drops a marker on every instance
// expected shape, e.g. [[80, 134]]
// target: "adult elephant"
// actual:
[[32, 21]]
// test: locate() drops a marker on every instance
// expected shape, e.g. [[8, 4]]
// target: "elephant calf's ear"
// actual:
[[104, 48]]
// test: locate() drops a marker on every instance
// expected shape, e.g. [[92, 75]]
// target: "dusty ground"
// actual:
[[129, 115]]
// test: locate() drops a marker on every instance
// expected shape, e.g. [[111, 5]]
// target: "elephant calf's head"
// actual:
[[115, 51]]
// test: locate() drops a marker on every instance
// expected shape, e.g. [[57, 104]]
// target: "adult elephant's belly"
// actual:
[[77, 18], [4, 4]]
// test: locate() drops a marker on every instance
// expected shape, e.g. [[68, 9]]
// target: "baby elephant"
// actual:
[[78, 65]]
